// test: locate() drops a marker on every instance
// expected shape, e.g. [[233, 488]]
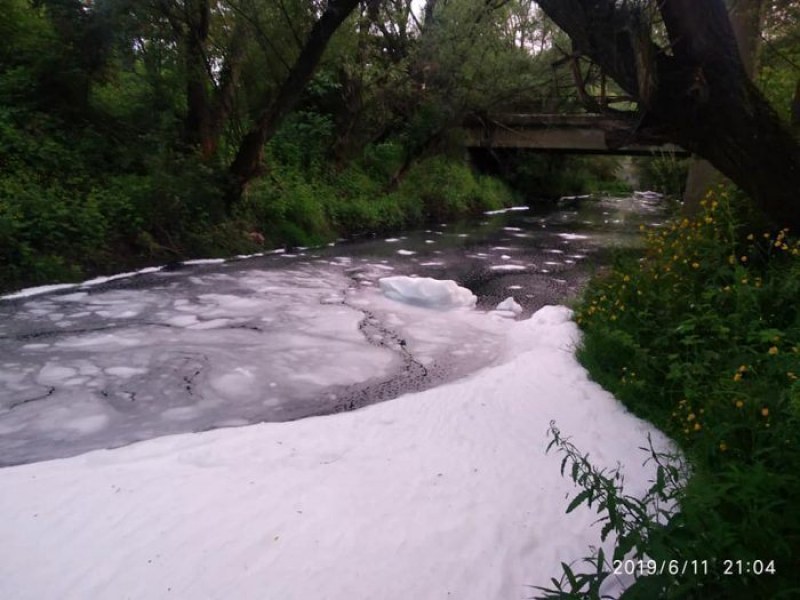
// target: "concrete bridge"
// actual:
[[565, 133]]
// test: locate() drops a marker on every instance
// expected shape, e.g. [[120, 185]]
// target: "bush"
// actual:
[[664, 173], [71, 203], [449, 189], [554, 175], [702, 336], [46, 231]]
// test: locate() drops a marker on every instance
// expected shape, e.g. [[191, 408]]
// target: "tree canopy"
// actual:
[[136, 123]]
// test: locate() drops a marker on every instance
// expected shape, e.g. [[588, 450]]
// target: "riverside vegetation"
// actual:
[[119, 123], [702, 338], [123, 125], [62, 217]]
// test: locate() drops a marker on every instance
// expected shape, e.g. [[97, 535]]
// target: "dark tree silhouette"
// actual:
[[692, 89], [247, 164]]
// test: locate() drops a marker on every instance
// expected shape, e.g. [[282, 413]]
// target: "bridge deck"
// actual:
[[577, 133]]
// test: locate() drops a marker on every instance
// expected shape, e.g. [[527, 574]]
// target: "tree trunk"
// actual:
[[207, 105], [224, 94], [702, 177], [746, 19], [247, 164], [699, 95], [195, 26]]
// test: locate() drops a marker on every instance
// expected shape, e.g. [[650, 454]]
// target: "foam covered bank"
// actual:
[[446, 493]]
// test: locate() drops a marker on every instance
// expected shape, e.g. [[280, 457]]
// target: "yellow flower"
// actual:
[[743, 259], [764, 412], [723, 446], [750, 237], [739, 404], [773, 350], [742, 368], [732, 259], [697, 427], [691, 417], [737, 377]]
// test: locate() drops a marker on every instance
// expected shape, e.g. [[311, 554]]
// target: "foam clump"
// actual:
[[510, 305], [427, 292]]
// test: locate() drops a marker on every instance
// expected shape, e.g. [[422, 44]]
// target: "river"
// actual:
[[285, 335]]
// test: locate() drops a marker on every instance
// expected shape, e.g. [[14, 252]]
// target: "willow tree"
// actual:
[[246, 164], [747, 17], [214, 39], [679, 59]]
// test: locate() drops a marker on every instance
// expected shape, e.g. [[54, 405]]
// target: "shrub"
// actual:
[[449, 189], [664, 172], [702, 336], [46, 231]]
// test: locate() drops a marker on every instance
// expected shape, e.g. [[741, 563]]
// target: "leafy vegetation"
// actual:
[[133, 133], [137, 132], [554, 175], [702, 337]]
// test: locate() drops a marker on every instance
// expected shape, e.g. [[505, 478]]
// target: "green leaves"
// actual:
[[716, 357], [635, 522], [585, 496]]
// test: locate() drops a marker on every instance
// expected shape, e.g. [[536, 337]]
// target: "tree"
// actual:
[[202, 43], [213, 40], [461, 57], [746, 19], [247, 163], [779, 73], [679, 59]]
